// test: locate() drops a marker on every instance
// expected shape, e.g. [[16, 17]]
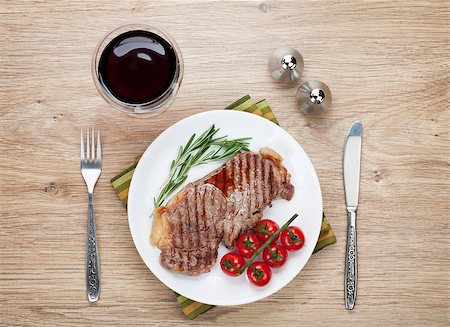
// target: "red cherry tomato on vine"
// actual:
[[259, 273], [292, 238], [275, 255], [265, 228], [231, 263], [247, 244]]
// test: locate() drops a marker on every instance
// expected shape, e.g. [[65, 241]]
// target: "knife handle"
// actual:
[[351, 262]]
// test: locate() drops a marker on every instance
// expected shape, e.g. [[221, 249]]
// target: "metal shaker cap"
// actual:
[[313, 95], [286, 65]]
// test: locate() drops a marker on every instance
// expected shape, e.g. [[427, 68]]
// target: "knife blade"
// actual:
[[352, 169]]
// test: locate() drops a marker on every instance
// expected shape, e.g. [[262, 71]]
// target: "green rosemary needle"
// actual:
[[204, 149]]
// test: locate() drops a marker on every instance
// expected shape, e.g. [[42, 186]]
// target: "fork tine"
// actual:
[[99, 146], [88, 147], [93, 143], [82, 145]]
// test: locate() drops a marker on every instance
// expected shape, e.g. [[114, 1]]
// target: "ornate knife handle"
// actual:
[[92, 263], [351, 262]]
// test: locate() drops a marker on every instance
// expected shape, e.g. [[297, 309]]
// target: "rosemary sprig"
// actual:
[[204, 149]]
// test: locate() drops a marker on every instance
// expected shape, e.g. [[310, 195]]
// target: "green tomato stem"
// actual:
[[266, 244]]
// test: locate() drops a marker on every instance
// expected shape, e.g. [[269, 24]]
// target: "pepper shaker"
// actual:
[[313, 96], [286, 65]]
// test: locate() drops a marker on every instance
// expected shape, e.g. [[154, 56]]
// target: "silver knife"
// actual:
[[352, 167]]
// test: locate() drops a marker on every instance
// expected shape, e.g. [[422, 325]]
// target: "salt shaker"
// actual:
[[313, 96], [286, 65]]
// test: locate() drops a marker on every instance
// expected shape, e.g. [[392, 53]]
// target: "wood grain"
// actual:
[[387, 64]]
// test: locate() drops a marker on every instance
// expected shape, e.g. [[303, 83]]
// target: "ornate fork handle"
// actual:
[[351, 263], [92, 264]]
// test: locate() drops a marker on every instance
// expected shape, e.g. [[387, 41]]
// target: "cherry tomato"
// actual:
[[259, 273], [231, 263], [275, 255], [265, 228], [247, 244], [292, 238]]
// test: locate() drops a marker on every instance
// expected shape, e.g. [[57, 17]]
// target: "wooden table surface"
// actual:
[[387, 64]]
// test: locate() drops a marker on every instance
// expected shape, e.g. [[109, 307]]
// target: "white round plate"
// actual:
[[215, 287]]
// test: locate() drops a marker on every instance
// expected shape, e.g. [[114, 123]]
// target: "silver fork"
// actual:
[[91, 168]]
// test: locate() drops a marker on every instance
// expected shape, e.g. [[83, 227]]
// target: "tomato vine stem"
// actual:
[[266, 244]]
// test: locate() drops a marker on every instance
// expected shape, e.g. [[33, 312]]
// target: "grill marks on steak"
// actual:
[[258, 179], [219, 207], [196, 229]]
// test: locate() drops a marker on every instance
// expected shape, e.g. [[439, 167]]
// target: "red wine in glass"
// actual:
[[138, 68]]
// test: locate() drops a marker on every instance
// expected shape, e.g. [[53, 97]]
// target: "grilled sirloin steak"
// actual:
[[218, 207]]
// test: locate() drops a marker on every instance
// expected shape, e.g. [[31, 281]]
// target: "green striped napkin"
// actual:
[[121, 184]]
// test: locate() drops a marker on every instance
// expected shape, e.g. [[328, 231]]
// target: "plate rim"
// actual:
[[158, 140]]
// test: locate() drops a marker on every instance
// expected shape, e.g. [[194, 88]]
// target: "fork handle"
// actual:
[[351, 262], [92, 263]]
